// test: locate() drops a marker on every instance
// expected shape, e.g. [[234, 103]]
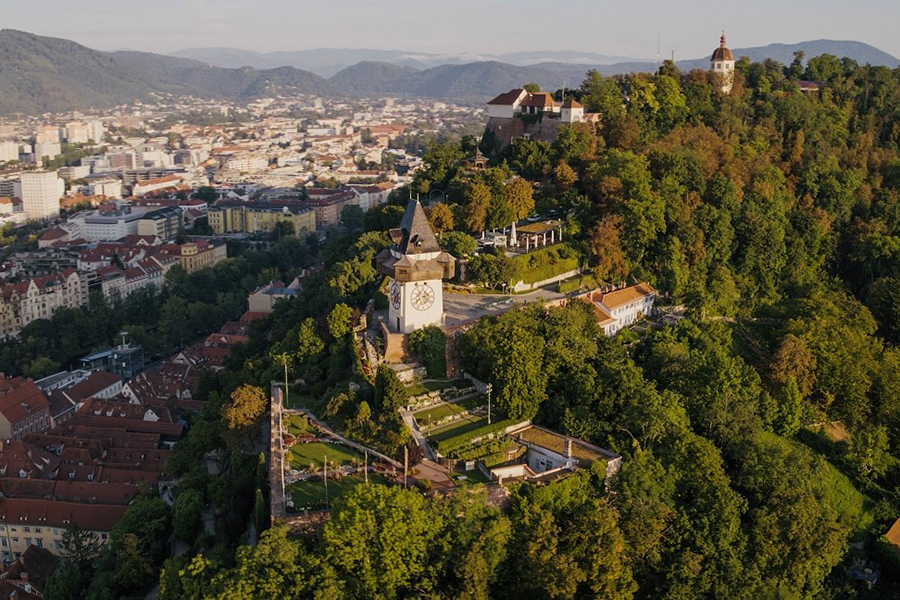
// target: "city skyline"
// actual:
[[689, 29]]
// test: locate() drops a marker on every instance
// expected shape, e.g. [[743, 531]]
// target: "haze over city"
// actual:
[[627, 29]]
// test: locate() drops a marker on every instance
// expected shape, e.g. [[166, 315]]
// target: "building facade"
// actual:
[[41, 191], [258, 217]]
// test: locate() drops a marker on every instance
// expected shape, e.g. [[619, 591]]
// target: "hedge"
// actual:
[[546, 263]]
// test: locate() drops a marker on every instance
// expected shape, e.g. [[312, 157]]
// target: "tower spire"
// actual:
[[722, 40]]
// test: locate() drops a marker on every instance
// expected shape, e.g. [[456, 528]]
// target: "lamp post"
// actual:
[[489, 388]]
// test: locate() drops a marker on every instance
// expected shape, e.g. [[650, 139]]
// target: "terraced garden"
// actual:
[[460, 433], [301, 456], [430, 415]]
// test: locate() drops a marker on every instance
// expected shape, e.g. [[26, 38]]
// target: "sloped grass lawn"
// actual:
[[429, 415], [460, 433], [299, 425], [311, 494], [302, 455]]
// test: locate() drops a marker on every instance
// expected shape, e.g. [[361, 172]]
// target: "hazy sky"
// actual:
[[622, 27]]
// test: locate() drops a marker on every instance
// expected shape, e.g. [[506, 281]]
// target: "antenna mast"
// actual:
[[657, 48]]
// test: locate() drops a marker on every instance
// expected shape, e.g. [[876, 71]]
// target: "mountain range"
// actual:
[[327, 62], [42, 74]]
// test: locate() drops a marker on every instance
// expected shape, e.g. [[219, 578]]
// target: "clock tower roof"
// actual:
[[415, 235]]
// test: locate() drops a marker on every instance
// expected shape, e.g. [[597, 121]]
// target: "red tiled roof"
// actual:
[[20, 398], [36, 564], [95, 383], [538, 99], [508, 98], [94, 517]]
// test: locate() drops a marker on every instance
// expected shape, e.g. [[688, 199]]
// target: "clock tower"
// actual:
[[416, 265]]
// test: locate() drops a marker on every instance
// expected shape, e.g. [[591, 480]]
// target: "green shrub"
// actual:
[[429, 344], [546, 263], [586, 282]]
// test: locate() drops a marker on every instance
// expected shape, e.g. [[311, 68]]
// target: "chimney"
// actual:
[[568, 447]]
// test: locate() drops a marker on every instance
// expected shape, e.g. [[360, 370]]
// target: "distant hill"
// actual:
[[329, 61], [41, 74], [472, 80], [370, 77]]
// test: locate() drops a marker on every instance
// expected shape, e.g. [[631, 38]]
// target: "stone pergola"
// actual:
[[535, 235]]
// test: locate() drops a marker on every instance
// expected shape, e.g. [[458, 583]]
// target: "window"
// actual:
[[28, 541], [40, 543], [26, 529]]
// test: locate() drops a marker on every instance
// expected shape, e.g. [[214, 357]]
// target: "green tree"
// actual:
[[429, 343], [310, 345], [186, 518], [248, 403], [458, 244], [790, 409], [389, 391], [377, 541], [339, 321], [478, 200], [869, 451], [79, 546], [441, 218], [519, 196], [206, 193], [352, 217]]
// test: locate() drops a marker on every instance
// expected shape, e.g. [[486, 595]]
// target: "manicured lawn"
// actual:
[[299, 425], [297, 400], [425, 417], [302, 455], [311, 494], [437, 384]]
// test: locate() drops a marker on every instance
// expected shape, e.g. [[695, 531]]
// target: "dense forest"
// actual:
[[760, 434]]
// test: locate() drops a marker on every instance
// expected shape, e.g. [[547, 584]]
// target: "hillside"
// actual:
[[371, 77], [42, 74], [473, 80], [329, 61]]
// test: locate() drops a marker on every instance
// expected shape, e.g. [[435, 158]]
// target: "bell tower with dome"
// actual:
[[722, 66], [416, 266]]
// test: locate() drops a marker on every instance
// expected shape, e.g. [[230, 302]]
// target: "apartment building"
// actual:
[[38, 298], [259, 217], [41, 191], [200, 255]]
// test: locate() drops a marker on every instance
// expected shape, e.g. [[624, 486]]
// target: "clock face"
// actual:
[[395, 295], [422, 297]]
